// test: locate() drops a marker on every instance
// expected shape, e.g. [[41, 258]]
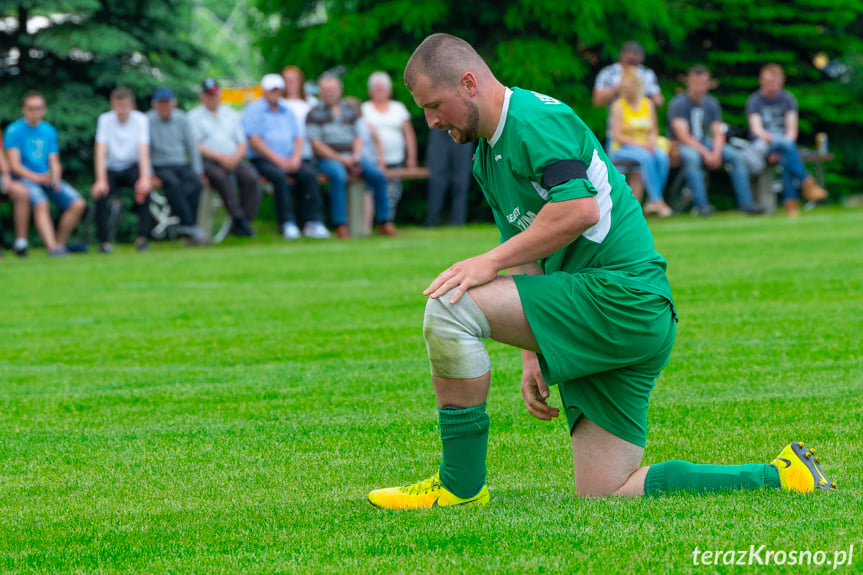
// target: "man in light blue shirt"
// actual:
[[34, 157], [276, 151]]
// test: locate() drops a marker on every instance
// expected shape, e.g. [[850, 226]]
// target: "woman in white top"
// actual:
[[299, 102], [392, 123]]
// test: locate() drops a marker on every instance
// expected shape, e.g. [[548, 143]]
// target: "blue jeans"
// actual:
[[337, 175], [39, 193], [792, 166], [654, 168], [691, 160]]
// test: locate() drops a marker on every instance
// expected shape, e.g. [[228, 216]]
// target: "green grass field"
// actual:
[[228, 409]]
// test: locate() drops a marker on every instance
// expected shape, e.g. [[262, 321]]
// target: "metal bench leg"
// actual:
[[205, 213], [356, 209], [762, 189]]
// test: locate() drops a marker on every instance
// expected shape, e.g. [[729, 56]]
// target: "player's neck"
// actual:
[[488, 122]]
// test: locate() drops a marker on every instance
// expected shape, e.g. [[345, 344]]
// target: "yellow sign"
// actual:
[[241, 96]]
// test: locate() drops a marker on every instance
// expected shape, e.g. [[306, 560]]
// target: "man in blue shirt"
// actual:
[[276, 151], [34, 157]]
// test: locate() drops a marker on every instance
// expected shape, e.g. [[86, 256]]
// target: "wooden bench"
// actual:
[[356, 194], [765, 185]]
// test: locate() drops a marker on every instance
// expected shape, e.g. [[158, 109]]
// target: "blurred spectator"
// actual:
[[17, 193], [276, 144], [607, 87], [392, 122], [333, 128], [606, 90], [773, 121], [373, 148], [635, 137], [222, 143], [695, 119], [300, 104], [34, 157], [122, 160], [449, 166], [176, 161]]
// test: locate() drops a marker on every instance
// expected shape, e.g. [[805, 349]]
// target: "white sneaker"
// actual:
[[316, 230], [290, 231]]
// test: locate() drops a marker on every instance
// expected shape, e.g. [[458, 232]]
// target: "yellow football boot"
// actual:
[[800, 470], [424, 495]]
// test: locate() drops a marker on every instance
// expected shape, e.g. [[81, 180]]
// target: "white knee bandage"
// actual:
[[452, 333]]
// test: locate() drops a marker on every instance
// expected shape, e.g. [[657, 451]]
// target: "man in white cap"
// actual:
[[276, 151]]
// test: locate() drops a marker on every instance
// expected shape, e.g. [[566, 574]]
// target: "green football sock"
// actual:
[[464, 433], [685, 476]]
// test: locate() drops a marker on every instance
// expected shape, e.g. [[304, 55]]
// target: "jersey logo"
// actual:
[[498, 158], [521, 221], [547, 100]]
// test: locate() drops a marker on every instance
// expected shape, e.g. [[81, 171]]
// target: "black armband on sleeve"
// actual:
[[563, 171]]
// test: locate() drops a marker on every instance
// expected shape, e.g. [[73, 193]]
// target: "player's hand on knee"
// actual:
[[535, 391], [476, 271]]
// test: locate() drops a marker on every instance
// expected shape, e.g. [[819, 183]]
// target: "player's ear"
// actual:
[[468, 83]]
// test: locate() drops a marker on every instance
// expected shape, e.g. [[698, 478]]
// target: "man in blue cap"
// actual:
[[176, 161]]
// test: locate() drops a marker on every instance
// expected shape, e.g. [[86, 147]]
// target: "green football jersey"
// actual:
[[536, 131]]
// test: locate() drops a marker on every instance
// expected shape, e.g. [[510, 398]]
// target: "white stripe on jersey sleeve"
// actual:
[[543, 193], [597, 173]]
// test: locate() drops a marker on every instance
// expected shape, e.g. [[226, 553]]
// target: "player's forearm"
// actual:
[[557, 225]]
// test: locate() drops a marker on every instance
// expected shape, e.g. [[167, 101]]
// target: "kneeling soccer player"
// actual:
[[588, 300]]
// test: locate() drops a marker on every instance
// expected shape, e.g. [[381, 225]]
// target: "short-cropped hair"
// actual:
[[443, 59]]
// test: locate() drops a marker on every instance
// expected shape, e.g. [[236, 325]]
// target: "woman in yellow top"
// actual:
[[635, 137]]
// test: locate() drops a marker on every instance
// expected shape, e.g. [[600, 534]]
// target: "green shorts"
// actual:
[[602, 343]]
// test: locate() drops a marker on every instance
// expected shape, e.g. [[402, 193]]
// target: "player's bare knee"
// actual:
[[453, 334]]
